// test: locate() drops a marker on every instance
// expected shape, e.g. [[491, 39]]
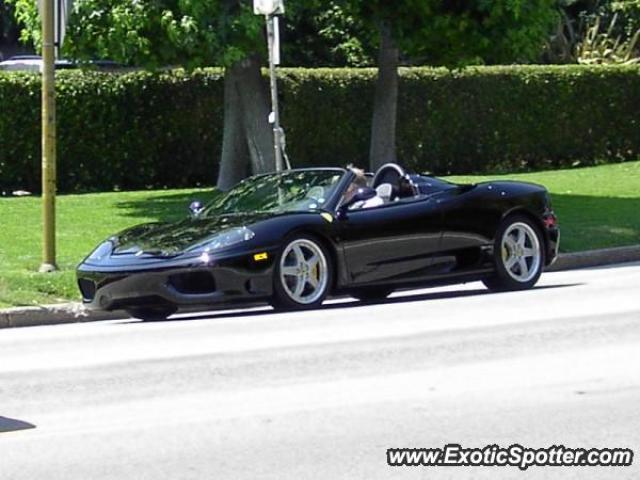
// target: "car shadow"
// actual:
[[350, 303], [165, 208], [13, 425]]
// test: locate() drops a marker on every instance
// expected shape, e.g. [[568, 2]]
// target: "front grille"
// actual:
[[87, 288], [191, 283]]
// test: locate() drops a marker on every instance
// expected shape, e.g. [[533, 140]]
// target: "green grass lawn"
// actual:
[[598, 207], [82, 222]]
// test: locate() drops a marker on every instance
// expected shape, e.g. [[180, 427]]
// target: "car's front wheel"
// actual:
[[303, 274], [518, 255]]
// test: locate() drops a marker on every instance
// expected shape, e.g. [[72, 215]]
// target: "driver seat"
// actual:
[[384, 191]]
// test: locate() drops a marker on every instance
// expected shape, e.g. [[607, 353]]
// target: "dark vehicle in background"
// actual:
[[295, 237]]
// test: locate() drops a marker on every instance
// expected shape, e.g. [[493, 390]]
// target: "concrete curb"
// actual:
[[595, 258], [52, 315], [76, 312]]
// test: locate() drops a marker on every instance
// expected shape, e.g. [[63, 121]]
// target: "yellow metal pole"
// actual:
[[48, 140]]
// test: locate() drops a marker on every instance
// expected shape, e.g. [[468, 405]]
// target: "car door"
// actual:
[[392, 243]]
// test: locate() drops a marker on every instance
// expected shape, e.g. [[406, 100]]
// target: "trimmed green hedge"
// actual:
[[126, 131], [504, 119], [139, 130]]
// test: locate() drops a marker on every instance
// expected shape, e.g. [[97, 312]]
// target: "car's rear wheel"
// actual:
[[152, 314], [518, 255], [303, 274], [370, 294]]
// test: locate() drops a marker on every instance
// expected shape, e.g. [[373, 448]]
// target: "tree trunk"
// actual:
[[234, 160], [248, 137], [383, 126], [256, 108]]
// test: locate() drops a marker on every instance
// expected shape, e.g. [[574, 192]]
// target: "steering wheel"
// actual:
[[388, 173]]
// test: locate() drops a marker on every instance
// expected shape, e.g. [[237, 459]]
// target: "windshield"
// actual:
[[289, 191]]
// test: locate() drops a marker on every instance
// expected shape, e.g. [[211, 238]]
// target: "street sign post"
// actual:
[[270, 9], [61, 11]]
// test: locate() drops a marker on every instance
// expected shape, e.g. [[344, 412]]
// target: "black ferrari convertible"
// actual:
[[293, 238]]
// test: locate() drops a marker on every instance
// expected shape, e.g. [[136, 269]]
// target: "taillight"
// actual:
[[549, 217], [550, 220]]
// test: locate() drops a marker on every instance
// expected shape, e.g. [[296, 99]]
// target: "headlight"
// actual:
[[226, 239], [103, 250]]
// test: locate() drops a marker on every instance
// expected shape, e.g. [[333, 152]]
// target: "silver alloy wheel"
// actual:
[[521, 253], [303, 271]]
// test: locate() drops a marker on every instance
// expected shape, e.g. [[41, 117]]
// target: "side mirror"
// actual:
[[195, 208]]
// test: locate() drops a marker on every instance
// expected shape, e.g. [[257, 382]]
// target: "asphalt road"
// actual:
[[323, 394]]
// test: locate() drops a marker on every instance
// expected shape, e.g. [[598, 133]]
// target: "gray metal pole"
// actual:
[[277, 132]]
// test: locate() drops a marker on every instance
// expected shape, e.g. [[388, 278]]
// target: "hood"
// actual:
[[171, 239]]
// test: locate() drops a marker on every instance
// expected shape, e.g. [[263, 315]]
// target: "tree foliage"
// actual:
[[26, 14], [457, 32], [154, 33], [315, 33], [596, 31], [326, 34]]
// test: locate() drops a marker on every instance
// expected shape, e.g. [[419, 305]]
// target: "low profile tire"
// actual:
[[518, 255], [303, 275], [152, 314], [371, 294]]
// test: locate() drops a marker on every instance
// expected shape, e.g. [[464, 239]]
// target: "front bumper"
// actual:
[[188, 283]]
